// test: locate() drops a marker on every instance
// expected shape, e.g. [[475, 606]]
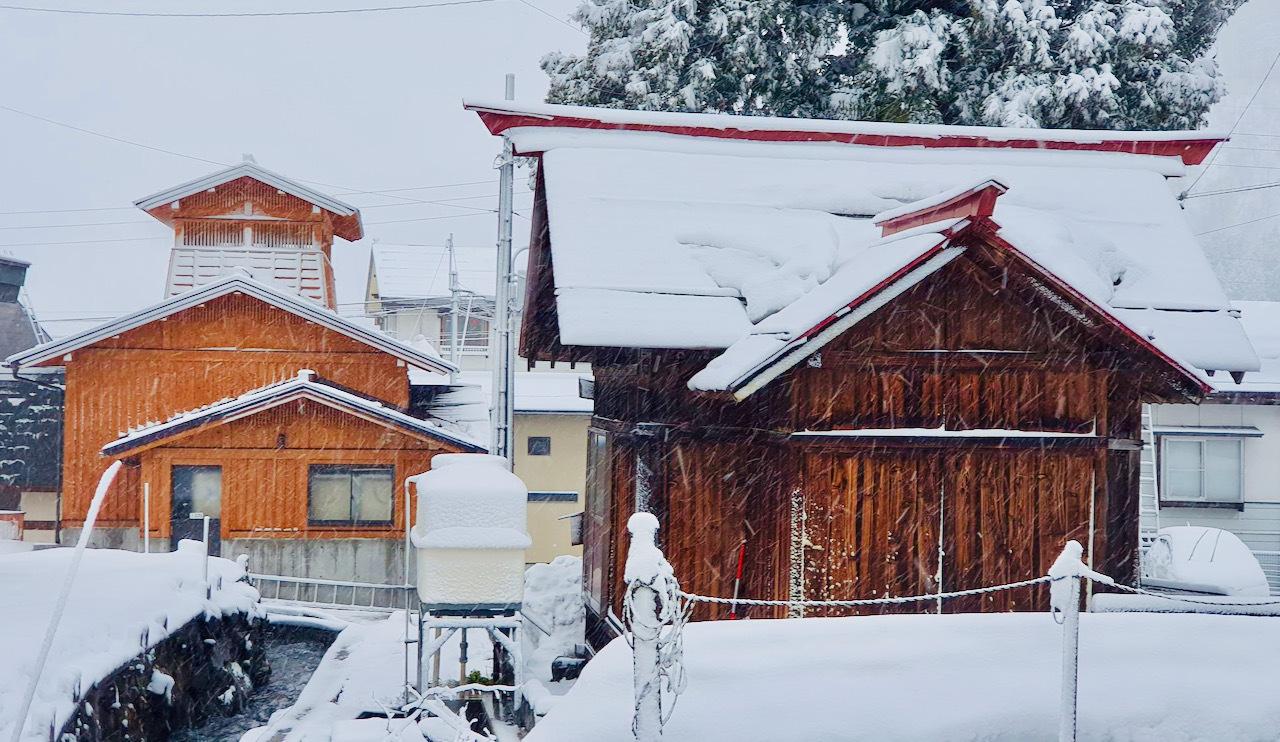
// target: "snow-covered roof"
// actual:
[[756, 239], [304, 385], [230, 284], [503, 116], [1261, 321], [422, 271], [348, 229], [536, 392]]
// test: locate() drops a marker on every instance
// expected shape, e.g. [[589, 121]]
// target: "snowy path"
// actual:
[[1143, 677], [121, 603]]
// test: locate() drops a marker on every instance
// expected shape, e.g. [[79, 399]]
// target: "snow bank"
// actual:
[[553, 598], [120, 604], [929, 678], [1204, 560]]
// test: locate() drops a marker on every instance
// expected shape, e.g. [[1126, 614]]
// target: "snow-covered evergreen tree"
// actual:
[[1117, 64]]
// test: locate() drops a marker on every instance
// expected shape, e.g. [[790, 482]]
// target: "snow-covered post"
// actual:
[[1064, 597], [650, 602]]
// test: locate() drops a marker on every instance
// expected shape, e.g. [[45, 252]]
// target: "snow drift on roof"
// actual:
[[645, 241], [304, 384]]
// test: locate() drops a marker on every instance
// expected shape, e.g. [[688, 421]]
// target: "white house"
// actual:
[[1218, 463]]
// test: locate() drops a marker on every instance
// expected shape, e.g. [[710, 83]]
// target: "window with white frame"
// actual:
[[1202, 470]]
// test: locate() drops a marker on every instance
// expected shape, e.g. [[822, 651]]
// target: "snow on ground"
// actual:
[[120, 603], [363, 671], [1143, 677]]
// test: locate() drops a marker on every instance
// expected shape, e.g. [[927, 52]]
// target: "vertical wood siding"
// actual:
[[961, 350], [222, 349]]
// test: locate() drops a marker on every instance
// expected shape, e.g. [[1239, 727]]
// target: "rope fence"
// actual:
[[656, 610], [694, 598]]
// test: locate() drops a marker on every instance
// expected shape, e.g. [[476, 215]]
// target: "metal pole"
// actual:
[[146, 518], [408, 598], [1070, 663], [453, 309], [502, 412]]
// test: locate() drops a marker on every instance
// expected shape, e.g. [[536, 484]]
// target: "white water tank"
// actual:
[[470, 535]]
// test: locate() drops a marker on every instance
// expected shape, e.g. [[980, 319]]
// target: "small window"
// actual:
[[351, 495], [1202, 470], [539, 445]]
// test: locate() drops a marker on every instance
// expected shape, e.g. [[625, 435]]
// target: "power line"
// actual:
[[88, 242], [561, 21], [265, 14], [108, 136], [1237, 224], [86, 224], [350, 191], [375, 206], [1237, 189], [1239, 118]]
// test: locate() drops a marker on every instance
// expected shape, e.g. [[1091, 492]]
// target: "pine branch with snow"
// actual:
[[1113, 64]]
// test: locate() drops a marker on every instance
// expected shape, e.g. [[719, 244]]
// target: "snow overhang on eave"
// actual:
[[352, 232], [233, 283], [838, 323], [270, 397], [1191, 147]]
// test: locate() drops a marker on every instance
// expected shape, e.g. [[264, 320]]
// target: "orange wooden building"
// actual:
[[244, 396]]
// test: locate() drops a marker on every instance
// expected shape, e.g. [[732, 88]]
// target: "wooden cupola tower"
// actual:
[[247, 217]]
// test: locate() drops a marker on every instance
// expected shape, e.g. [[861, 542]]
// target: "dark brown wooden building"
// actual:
[[933, 399]]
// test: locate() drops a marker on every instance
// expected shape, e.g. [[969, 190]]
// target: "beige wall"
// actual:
[[565, 470], [39, 506]]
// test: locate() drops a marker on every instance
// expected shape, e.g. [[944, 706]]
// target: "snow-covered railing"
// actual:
[[656, 609], [309, 591]]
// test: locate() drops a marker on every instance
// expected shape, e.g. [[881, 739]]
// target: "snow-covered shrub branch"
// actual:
[[1118, 64]]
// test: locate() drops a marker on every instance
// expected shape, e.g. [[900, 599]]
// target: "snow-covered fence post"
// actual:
[[1064, 597], [652, 603]]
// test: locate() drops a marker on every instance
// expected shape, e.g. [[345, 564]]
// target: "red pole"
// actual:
[[737, 580]]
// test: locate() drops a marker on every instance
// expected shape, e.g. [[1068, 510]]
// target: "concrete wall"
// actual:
[[565, 470]]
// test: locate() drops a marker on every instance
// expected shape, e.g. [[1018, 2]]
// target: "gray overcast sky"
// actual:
[[361, 101], [372, 102]]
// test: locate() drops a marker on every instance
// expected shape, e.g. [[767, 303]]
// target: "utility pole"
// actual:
[[503, 347], [453, 310]]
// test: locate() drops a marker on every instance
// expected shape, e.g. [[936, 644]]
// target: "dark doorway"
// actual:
[[196, 490]]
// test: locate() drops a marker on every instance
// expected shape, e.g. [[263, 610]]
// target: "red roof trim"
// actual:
[[976, 203], [1193, 151], [886, 283], [990, 233]]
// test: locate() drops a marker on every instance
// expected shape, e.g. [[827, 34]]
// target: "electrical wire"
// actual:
[[1239, 118], [1237, 189], [1237, 224], [561, 21], [262, 14], [349, 190]]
